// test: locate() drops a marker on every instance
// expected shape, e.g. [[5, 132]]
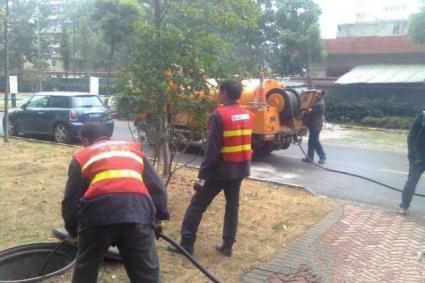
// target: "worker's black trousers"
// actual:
[[415, 172], [136, 243], [201, 200], [315, 145]]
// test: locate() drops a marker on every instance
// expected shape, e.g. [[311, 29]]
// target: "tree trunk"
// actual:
[[164, 116], [66, 78], [165, 147], [108, 78], [6, 74], [157, 8]]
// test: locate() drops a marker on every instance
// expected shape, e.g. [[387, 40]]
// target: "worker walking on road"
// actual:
[[315, 117], [416, 156], [113, 197], [226, 163]]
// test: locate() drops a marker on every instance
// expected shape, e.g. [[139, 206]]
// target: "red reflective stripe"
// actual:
[[238, 156], [112, 186], [237, 140]]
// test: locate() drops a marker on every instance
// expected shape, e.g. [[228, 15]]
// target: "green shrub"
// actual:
[[387, 106]]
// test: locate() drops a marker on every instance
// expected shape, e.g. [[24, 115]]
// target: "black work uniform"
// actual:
[[122, 219], [315, 124], [416, 155], [218, 175]]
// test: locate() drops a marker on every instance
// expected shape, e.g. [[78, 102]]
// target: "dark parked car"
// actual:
[[59, 114]]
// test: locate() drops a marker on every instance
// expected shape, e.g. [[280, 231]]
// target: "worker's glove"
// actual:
[[72, 240], [199, 185], [158, 228]]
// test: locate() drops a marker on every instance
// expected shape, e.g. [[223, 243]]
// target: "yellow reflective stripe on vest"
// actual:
[[110, 154], [236, 133], [236, 148], [113, 174]]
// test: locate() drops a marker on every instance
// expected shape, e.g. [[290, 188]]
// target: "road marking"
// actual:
[[394, 171]]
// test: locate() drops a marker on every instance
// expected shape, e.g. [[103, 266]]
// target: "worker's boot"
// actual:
[[185, 243], [224, 248]]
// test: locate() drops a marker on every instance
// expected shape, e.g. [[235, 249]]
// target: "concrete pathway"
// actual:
[[354, 243]]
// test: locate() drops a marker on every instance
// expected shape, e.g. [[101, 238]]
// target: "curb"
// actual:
[[41, 141], [289, 185], [372, 129]]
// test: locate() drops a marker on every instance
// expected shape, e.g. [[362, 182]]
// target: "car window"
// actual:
[[86, 101], [38, 101], [59, 101]]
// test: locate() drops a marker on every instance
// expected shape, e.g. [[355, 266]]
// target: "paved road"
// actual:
[[285, 166]]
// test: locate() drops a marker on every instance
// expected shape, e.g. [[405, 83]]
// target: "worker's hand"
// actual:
[[158, 228], [72, 240], [199, 185]]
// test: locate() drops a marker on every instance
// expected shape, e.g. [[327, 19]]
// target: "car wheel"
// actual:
[[61, 133], [12, 128]]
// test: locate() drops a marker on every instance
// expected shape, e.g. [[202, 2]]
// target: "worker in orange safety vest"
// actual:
[[113, 197], [226, 163]]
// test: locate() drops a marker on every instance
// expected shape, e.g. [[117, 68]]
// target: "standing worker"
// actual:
[[416, 156], [315, 117], [113, 197], [226, 162]]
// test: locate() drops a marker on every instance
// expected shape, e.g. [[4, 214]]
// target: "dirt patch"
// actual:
[[32, 184]]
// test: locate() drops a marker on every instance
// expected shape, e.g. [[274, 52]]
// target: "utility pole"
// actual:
[[309, 61], [40, 83], [6, 72], [73, 47]]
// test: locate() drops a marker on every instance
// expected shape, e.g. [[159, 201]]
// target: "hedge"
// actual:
[[375, 104]]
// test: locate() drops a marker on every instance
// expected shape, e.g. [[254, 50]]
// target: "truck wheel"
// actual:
[[263, 149]]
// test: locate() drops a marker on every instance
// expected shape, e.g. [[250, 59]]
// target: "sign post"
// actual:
[[94, 85], [13, 85]]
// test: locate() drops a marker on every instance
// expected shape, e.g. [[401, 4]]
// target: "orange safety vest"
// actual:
[[237, 131], [112, 167]]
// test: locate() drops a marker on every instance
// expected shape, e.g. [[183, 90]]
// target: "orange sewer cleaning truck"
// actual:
[[277, 110]]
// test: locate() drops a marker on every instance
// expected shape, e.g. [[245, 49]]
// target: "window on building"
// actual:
[[396, 29], [54, 63]]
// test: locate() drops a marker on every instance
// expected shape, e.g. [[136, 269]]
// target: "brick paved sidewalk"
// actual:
[[354, 243]]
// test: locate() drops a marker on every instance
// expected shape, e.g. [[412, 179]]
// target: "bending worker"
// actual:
[[226, 162], [416, 155], [113, 197]]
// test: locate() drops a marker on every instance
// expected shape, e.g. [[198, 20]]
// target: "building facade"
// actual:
[[382, 42]]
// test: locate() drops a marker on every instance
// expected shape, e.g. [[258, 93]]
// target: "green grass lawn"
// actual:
[[32, 183]]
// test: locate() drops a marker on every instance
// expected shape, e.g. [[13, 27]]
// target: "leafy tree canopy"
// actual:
[[295, 36]]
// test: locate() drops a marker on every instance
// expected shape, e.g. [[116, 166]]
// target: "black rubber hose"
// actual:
[[354, 175], [50, 257], [343, 172], [190, 258]]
